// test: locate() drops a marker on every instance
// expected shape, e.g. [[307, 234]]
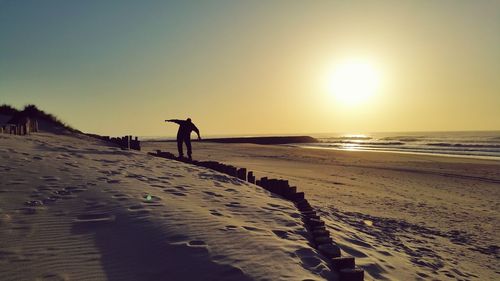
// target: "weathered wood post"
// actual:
[[263, 182], [344, 262], [251, 177], [242, 174]]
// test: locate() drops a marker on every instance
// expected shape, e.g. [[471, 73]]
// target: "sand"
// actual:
[[74, 208], [403, 216]]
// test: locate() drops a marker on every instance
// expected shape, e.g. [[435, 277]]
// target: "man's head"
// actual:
[[189, 120]]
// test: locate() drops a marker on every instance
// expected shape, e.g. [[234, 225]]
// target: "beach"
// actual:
[[249, 140], [73, 207], [403, 216]]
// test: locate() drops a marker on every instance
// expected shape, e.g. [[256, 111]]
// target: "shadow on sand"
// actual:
[[132, 249]]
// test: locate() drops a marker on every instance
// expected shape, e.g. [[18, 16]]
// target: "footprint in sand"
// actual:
[[17, 181], [95, 218], [234, 205], [120, 197], [385, 253], [50, 178], [174, 192], [197, 243], [75, 189], [251, 228], [283, 234], [216, 213], [71, 164], [231, 227], [112, 181], [212, 194], [50, 200], [34, 203]]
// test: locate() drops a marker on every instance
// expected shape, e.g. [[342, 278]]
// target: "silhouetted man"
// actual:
[[184, 134]]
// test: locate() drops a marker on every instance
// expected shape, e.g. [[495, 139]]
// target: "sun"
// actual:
[[354, 81]]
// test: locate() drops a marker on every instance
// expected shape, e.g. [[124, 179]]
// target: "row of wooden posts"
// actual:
[[25, 128], [319, 236], [126, 142]]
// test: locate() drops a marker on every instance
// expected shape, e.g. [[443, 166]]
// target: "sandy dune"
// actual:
[[404, 217], [72, 208]]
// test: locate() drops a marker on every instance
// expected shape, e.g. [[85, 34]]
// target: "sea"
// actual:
[[476, 144]]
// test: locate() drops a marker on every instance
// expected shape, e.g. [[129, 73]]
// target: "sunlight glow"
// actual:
[[354, 81]]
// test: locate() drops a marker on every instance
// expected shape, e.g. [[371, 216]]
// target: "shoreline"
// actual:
[[466, 156]]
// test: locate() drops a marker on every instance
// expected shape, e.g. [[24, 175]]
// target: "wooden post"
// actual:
[[263, 182], [233, 171], [344, 262], [251, 177], [242, 174], [330, 250], [27, 125]]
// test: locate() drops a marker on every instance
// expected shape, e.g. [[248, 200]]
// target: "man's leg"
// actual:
[[188, 145], [179, 147]]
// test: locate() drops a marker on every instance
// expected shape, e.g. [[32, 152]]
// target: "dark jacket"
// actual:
[[185, 128]]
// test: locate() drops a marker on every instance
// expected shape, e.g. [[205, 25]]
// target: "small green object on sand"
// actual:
[[148, 197]]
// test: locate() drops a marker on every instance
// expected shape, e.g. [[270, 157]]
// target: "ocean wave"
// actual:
[[404, 139], [348, 138], [363, 143], [465, 145]]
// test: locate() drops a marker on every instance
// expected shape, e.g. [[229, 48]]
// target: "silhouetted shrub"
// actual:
[[32, 111], [7, 110]]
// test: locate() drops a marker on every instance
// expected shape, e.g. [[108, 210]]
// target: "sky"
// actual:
[[254, 67]]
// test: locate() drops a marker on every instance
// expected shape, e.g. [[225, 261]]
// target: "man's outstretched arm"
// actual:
[[174, 121]]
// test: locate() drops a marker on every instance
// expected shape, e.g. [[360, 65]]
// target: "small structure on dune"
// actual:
[[17, 122]]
